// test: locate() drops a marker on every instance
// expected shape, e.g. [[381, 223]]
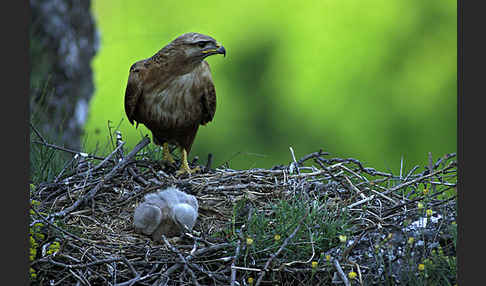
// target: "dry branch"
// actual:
[[145, 141], [97, 236]]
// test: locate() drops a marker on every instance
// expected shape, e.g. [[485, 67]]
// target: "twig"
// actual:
[[119, 142], [83, 265], [284, 244], [353, 187], [294, 164], [209, 162], [165, 276], [341, 273], [69, 150], [310, 258], [310, 156], [411, 172], [65, 167], [56, 227], [37, 133], [241, 186], [81, 278], [110, 175], [418, 179], [360, 202], [137, 177], [233, 264], [193, 275], [185, 260], [175, 250], [130, 266], [109, 156]]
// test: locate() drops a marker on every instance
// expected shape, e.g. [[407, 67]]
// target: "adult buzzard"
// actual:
[[172, 93]]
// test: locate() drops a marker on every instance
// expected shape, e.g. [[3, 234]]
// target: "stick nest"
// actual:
[[88, 210]]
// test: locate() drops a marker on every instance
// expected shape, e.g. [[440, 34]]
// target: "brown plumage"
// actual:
[[172, 92]]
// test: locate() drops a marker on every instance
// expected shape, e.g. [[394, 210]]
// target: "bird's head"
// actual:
[[195, 47]]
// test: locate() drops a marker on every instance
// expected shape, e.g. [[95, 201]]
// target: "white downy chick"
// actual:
[[183, 208], [149, 214], [168, 212]]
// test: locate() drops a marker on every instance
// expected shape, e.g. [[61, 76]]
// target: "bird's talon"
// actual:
[[187, 170], [170, 159], [166, 154]]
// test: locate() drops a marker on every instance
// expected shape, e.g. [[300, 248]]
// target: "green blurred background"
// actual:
[[374, 80]]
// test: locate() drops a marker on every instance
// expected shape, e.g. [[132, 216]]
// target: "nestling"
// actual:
[[168, 212], [172, 93]]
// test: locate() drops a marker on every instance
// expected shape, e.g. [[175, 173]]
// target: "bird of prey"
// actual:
[[172, 93], [168, 212]]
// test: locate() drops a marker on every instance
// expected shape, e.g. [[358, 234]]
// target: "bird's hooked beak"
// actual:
[[212, 51], [221, 50]]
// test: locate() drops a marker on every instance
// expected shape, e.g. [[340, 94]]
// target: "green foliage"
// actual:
[[45, 163], [36, 237], [435, 267], [266, 231], [40, 236]]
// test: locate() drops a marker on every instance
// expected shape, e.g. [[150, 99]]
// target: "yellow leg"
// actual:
[[166, 153], [185, 165]]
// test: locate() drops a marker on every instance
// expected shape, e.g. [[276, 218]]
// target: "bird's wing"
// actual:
[[134, 90], [147, 217], [208, 99]]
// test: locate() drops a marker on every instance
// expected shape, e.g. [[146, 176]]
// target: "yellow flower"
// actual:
[[352, 275], [421, 267], [328, 257], [249, 240], [277, 237], [453, 223], [411, 240], [314, 264], [250, 280], [429, 212], [426, 191], [342, 238], [420, 205]]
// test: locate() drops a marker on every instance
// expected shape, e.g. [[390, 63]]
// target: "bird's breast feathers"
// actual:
[[178, 103]]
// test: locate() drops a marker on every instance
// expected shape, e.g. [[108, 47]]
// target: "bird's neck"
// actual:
[[175, 61]]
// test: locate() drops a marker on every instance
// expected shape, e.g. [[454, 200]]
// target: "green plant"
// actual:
[[267, 230]]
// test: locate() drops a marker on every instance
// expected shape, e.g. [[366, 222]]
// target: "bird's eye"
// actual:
[[201, 44]]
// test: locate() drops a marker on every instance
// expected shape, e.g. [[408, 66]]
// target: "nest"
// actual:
[[89, 209]]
